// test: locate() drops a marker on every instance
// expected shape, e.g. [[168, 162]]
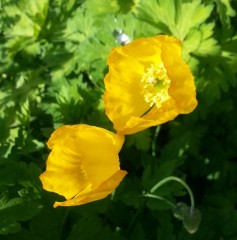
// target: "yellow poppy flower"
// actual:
[[148, 84], [83, 165]]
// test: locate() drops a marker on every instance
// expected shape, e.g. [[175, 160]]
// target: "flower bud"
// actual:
[[191, 217]]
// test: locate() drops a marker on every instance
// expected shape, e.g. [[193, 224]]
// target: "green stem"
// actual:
[[154, 145], [140, 209], [160, 198], [173, 178]]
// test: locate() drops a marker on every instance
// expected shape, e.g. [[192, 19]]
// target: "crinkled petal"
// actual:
[[103, 190], [100, 149], [59, 135], [182, 88], [64, 172], [123, 95], [143, 50], [125, 101], [153, 118], [81, 156]]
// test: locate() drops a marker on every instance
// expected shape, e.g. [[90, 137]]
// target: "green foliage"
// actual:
[[52, 64]]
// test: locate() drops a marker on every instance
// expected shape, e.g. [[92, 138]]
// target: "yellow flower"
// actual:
[[148, 84], [83, 165]]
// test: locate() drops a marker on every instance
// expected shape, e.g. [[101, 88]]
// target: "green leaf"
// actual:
[[113, 6], [7, 227], [92, 228], [14, 210], [30, 15], [138, 233], [199, 42], [24, 21], [140, 140], [165, 229], [225, 11], [175, 20]]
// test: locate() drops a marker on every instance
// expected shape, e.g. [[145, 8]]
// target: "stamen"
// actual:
[[155, 85]]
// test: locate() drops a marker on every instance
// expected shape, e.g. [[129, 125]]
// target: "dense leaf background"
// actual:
[[52, 64]]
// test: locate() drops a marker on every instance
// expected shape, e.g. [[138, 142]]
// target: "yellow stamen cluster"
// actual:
[[155, 84]]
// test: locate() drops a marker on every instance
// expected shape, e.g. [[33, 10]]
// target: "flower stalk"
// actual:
[[173, 178]]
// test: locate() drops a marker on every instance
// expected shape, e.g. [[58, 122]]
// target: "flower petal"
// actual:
[[105, 188], [100, 143], [143, 50], [82, 158], [182, 87], [64, 172], [153, 118], [122, 80], [148, 84]]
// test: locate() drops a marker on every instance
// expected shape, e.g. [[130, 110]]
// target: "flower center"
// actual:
[[155, 85]]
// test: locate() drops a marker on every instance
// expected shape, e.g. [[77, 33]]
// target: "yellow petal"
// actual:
[[182, 87], [148, 84], [96, 142], [143, 50], [64, 171], [82, 158], [105, 188], [153, 118], [123, 78], [59, 135]]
